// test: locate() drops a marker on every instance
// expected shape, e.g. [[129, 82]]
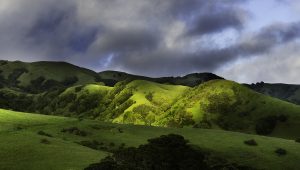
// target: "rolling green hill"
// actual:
[[42, 76], [217, 104], [214, 114], [23, 73], [231, 106], [31, 141]]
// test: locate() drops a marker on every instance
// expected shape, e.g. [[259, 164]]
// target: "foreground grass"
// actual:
[[21, 147]]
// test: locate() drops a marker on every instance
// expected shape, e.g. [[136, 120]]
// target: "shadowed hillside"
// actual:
[[188, 80], [287, 92]]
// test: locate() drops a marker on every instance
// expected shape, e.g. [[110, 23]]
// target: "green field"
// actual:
[[21, 147]]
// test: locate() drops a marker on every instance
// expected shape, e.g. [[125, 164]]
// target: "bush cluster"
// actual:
[[75, 131], [42, 133], [45, 141], [251, 142], [280, 152], [266, 125], [91, 144]]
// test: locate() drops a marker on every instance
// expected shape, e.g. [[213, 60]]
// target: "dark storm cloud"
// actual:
[[128, 41], [172, 62], [216, 22], [268, 38], [141, 36]]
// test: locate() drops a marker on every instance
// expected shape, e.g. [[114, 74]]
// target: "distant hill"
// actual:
[[287, 92], [44, 75], [190, 80], [41, 76]]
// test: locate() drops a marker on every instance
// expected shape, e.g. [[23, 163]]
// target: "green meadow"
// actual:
[[21, 146]]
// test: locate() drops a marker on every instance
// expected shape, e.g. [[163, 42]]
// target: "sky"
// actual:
[[246, 41]]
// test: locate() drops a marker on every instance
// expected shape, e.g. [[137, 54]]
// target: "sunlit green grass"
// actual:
[[20, 146]]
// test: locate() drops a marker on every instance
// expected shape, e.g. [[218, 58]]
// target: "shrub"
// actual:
[[45, 141], [111, 144], [13, 77], [91, 144], [297, 140], [70, 81], [174, 124], [218, 103], [120, 130], [280, 152], [3, 62], [78, 89], [75, 131], [149, 96], [266, 125], [184, 118], [42, 133], [250, 142], [51, 85], [282, 118], [204, 124], [2, 80], [122, 146], [18, 127]]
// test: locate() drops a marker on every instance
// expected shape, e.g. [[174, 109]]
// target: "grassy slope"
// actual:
[[21, 149], [249, 106], [245, 106], [50, 70], [89, 88], [163, 95]]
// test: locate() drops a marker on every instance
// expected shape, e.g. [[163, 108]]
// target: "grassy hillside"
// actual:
[[41, 76], [149, 102], [217, 104], [38, 77], [23, 146], [22, 74], [231, 106]]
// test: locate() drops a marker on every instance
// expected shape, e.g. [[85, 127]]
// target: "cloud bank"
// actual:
[[153, 38]]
